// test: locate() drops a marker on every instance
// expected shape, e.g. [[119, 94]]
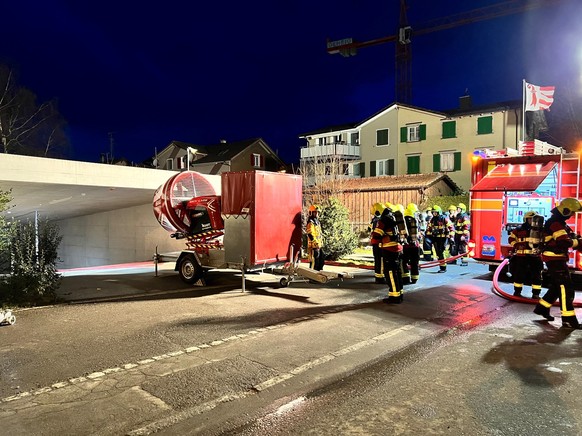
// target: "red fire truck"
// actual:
[[505, 187]]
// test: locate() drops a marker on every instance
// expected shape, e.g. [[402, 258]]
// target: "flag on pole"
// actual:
[[538, 97]]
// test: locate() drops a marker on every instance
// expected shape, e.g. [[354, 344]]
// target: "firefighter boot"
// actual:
[[380, 280], [570, 322], [517, 287], [535, 295], [543, 311]]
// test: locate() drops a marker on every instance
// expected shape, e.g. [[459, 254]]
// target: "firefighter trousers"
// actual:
[[378, 263], [560, 288], [316, 258], [461, 248], [427, 248], [527, 268], [410, 261], [439, 247], [392, 273]]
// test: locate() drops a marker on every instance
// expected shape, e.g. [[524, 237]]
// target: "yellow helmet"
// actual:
[[413, 207], [453, 208], [314, 208], [377, 209], [389, 205], [437, 208], [529, 215], [462, 207], [399, 208], [428, 209], [568, 206]]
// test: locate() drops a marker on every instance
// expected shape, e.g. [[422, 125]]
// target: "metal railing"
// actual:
[[337, 149]]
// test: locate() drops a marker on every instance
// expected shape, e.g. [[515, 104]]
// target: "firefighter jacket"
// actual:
[[520, 239], [314, 234], [373, 224], [385, 235], [440, 226], [558, 238], [462, 225], [412, 223]]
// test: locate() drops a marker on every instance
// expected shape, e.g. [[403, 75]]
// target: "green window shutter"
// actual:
[[449, 129], [457, 161], [436, 162], [390, 167], [403, 134], [413, 165], [373, 168], [362, 169], [422, 131], [484, 125]]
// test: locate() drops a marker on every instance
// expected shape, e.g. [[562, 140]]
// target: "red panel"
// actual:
[[237, 192], [277, 217], [514, 177]]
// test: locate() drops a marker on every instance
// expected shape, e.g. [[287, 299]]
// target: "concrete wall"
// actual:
[[118, 236]]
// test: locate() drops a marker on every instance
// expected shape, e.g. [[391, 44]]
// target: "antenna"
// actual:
[[111, 141]]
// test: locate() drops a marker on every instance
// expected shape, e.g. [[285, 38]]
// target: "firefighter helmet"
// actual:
[[428, 209], [437, 208], [314, 208], [399, 208], [412, 207], [462, 207], [452, 208], [377, 209], [568, 206], [529, 215], [389, 205]]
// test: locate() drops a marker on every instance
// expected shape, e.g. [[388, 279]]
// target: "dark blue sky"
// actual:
[[200, 72]]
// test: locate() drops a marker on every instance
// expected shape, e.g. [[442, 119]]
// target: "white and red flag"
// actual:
[[538, 97]]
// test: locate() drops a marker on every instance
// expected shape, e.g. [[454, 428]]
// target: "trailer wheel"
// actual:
[[11, 319], [284, 282], [190, 270]]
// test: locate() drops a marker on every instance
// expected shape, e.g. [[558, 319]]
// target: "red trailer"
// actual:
[[504, 188], [251, 222]]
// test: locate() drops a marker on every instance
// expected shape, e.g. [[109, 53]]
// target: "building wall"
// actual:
[[370, 152], [118, 236]]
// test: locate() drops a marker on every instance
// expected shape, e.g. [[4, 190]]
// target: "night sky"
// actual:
[[200, 72]]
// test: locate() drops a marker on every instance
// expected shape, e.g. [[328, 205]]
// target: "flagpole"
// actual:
[[523, 111]]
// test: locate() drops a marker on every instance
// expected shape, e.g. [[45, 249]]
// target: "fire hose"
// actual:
[[497, 290], [434, 263]]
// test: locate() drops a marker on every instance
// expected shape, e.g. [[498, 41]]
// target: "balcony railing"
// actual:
[[343, 151]]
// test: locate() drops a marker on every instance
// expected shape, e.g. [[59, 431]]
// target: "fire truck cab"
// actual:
[[505, 187]]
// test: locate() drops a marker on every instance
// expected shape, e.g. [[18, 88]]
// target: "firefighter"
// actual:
[[526, 260], [462, 224], [427, 237], [410, 248], [314, 239], [441, 230], [558, 239], [453, 251], [386, 236], [376, 210]]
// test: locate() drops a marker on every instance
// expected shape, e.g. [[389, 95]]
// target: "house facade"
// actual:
[[403, 140]]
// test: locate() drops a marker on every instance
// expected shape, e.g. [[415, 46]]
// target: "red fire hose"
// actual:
[[497, 290], [434, 263]]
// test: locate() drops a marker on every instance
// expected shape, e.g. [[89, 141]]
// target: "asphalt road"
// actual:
[[329, 359]]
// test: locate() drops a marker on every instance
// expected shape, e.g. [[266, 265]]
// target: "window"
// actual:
[[170, 164], [355, 138], [413, 133], [257, 160], [337, 139], [322, 140], [485, 125], [413, 164], [385, 167], [382, 137], [447, 161], [356, 169], [449, 129]]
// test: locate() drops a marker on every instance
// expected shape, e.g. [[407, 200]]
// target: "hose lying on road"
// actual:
[[497, 290], [434, 263]]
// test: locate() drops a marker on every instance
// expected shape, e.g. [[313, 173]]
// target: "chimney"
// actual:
[[465, 102]]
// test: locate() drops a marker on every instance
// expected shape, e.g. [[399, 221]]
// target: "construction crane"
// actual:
[[348, 47]]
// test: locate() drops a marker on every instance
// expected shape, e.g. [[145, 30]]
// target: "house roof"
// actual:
[[406, 182], [348, 126], [225, 151], [491, 107]]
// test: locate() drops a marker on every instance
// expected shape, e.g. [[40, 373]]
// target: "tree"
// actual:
[[27, 127], [5, 232], [338, 236]]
